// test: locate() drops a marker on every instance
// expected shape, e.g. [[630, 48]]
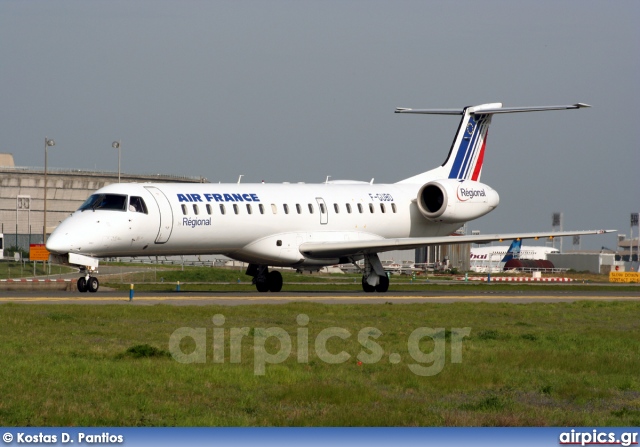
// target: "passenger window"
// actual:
[[360, 208], [222, 209], [261, 208], [235, 208], [371, 208], [184, 209], [348, 208], [336, 208], [382, 208], [298, 208], [322, 208], [393, 207], [196, 211], [248, 208], [274, 208], [208, 209], [311, 208], [137, 205], [286, 208]]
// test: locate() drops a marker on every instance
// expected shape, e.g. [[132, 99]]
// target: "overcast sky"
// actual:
[[298, 90]]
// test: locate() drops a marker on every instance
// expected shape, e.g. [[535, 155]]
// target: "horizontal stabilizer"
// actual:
[[484, 110], [532, 109], [431, 111]]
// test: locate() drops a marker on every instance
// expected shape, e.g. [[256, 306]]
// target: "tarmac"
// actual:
[[103, 297]]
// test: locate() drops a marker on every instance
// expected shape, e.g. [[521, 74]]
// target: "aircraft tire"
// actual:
[[93, 284], [383, 285], [82, 285], [366, 286], [262, 286], [275, 281]]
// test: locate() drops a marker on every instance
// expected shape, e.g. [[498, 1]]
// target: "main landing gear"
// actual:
[[382, 286], [88, 283], [374, 278], [265, 280]]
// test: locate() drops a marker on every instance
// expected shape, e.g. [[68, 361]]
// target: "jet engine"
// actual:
[[456, 201]]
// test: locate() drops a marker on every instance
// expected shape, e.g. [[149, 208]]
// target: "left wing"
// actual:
[[351, 248]]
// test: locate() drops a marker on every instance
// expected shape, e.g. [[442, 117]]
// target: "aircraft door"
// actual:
[[166, 214], [324, 211]]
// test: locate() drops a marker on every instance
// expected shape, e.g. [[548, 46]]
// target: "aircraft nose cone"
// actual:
[[58, 243]]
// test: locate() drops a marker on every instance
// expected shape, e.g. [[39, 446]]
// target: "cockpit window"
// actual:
[[137, 205], [116, 202]]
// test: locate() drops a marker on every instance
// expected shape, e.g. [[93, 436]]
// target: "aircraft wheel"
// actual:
[[383, 285], [366, 286], [82, 285], [93, 284], [275, 281], [262, 286]]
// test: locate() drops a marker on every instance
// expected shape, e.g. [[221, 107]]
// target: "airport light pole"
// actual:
[[634, 223], [116, 145], [47, 142]]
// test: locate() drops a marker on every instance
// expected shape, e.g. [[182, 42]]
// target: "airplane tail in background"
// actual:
[[466, 155], [514, 251]]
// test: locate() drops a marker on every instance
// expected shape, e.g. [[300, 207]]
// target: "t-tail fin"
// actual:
[[466, 155]]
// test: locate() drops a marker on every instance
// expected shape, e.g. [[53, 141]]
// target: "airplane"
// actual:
[[502, 253], [493, 258], [304, 226]]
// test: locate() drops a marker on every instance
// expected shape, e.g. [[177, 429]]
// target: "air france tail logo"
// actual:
[[218, 197], [470, 128], [465, 194]]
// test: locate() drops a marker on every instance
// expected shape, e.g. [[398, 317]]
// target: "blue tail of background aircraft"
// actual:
[[514, 251]]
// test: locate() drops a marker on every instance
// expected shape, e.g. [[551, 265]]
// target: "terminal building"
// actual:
[[628, 250]]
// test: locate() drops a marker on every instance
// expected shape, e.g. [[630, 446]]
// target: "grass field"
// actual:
[[522, 364], [12, 269]]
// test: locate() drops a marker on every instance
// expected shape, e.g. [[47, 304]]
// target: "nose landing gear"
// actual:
[[88, 283]]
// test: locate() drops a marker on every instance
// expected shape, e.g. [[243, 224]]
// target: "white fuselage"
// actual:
[[256, 223]]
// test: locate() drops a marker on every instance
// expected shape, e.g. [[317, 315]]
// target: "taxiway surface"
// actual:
[[244, 298]]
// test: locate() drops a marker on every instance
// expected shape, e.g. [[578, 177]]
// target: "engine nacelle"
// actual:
[[454, 201]]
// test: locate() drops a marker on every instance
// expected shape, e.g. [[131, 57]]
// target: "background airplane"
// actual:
[[304, 226], [493, 258]]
